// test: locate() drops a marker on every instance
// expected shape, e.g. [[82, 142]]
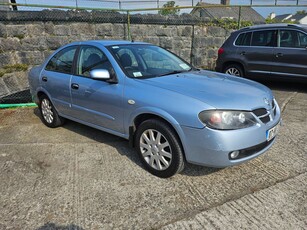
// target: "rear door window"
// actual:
[[264, 38], [62, 61]]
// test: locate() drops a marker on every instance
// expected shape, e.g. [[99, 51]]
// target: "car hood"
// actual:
[[217, 90]]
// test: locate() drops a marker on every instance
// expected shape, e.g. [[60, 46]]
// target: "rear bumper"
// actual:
[[218, 69], [218, 66]]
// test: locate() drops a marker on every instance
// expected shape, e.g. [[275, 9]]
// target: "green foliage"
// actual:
[[272, 21], [229, 24], [169, 8], [269, 20], [20, 36], [301, 12], [13, 68]]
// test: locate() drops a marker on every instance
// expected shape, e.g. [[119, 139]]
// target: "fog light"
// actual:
[[234, 154]]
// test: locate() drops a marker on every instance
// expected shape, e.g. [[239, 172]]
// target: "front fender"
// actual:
[[160, 113]]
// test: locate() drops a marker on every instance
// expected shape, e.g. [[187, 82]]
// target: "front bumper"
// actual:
[[211, 147]]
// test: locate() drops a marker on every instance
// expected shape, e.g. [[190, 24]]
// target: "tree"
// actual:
[[169, 8]]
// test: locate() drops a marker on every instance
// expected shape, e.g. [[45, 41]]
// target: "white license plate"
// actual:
[[271, 133]]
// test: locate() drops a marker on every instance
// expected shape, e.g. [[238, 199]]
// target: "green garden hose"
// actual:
[[6, 106]]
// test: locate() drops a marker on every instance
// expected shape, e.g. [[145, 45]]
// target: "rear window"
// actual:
[[244, 39]]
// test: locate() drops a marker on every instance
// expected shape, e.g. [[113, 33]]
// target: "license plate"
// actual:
[[271, 133]]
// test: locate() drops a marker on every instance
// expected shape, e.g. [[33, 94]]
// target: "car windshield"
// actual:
[[144, 61]]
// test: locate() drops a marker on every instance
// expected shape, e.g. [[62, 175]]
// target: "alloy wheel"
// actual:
[[155, 149], [233, 71], [47, 110]]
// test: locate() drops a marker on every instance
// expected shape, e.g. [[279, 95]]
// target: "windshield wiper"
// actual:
[[174, 72]]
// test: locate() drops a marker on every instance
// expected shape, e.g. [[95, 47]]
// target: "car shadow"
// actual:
[[53, 226], [285, 85], [197, 170], [122, 146]]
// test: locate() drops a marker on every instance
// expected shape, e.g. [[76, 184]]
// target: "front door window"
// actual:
[[92, 58]]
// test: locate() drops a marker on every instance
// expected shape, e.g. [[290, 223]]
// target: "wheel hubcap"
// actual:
[[47, 111], [155, 149], [233, 71]]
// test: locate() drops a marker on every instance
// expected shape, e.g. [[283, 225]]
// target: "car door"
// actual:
[[259, 55], [290, 57], [96, 102], [56, 76]]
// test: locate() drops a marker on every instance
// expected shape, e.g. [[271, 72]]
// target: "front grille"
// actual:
[[274, 108], [266, 115], [259, 112], [262, 114]]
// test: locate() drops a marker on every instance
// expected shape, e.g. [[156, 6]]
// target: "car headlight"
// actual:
[[227, 120]]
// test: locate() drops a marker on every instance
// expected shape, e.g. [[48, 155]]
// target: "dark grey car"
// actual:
[[273, 50]]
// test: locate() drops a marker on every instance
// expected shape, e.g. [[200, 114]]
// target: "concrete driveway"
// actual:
[[75, 177]]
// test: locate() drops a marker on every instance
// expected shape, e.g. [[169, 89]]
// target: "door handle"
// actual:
[[279, 55], [243, 53], [74, 86], [44, 79]]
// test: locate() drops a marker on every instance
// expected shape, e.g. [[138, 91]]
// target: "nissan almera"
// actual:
[[169, 111]]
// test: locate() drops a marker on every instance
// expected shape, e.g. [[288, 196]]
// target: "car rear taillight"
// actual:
[[220, 51]]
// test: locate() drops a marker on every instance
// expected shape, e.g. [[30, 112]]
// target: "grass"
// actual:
[[13, 68], [20, 36]]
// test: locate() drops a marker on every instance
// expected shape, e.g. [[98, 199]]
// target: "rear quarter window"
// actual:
[[244, 39]]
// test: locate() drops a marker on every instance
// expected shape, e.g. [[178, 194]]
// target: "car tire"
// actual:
[[49, 115], [159, 148], [234, 70]]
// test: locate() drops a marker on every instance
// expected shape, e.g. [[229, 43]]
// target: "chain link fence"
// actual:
[[116, 4], [30, 33]]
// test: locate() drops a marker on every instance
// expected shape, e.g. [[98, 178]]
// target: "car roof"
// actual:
[[107, 42], [276, 25]]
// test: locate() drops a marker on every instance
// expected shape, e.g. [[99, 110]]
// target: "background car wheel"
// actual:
[[49, 115], [159, 148], [234, 70]]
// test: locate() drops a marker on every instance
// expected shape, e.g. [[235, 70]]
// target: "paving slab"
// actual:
[[76, 177], [282, 206]]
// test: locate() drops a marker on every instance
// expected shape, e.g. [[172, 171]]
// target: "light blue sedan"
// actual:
[[169, 111]]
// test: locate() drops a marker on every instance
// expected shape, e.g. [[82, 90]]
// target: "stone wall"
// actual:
[[31, 41]]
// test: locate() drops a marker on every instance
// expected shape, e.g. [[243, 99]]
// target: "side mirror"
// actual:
[[100, 74], [103, 74]]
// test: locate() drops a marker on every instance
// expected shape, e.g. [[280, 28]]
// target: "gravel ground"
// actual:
[[76, 177]]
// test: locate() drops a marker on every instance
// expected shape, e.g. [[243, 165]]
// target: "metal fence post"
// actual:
[[128, 25], [239, 19]]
